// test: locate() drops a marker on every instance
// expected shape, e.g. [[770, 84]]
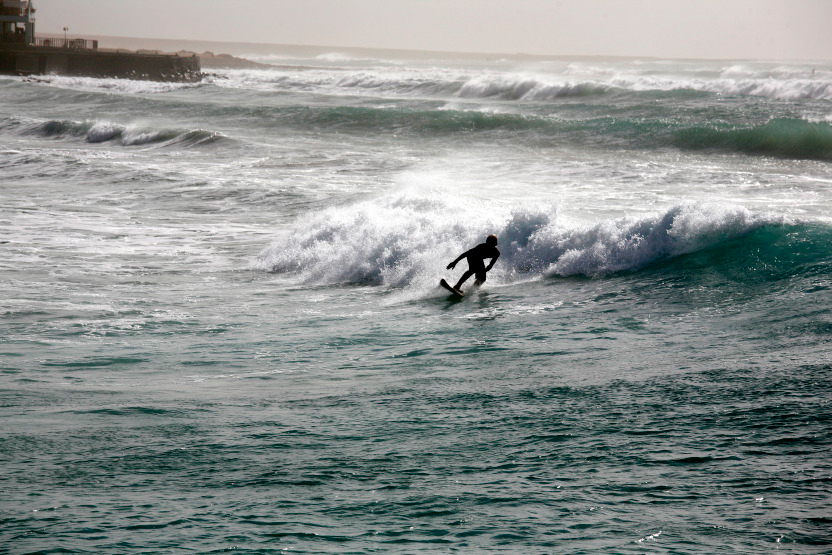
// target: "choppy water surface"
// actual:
[[222, 327]]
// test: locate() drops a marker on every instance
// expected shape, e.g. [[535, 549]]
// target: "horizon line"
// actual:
[[440, 52]]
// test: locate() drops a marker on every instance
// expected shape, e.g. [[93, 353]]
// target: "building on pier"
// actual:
[[18, 25]]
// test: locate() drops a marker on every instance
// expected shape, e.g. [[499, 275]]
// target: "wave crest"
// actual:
[[631, 244]]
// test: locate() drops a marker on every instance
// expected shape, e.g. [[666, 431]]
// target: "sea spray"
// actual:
[[394, 240]]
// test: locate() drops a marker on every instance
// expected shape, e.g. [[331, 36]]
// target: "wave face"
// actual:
[[783, 137], [402, 241]]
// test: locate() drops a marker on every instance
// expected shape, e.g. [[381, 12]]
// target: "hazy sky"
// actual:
[[664, 28]]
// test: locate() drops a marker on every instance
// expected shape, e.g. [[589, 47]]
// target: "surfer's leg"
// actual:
[[464, 277], [475, 267]]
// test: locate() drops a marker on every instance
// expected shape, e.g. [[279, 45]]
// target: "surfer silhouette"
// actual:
[[476, 260]]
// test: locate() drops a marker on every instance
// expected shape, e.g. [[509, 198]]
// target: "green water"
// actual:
[[222, 326]]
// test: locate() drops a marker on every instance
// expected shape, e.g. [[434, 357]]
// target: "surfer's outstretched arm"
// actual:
[[458, 258]]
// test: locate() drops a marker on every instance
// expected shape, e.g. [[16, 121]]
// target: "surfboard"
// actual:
[[444, 284]]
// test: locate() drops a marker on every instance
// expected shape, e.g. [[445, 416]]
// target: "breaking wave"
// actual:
[[405, 241]]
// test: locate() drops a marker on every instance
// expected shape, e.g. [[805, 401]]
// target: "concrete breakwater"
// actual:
[[42, 60]]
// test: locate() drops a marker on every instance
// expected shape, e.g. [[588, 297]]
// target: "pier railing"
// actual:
[[72, 44]]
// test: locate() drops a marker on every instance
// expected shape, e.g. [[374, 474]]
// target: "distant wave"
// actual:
[[546, 88], [526, 86], [406, 241], [341, 57], [395, 120], [108, 84], [354, 75], [793, 89], [397, 85], [783, 137], [102, 131]]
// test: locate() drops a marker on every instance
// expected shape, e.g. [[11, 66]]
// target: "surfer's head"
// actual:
[[491, 240]]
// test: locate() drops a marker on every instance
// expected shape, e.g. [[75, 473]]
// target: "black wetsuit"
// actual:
[[476, 262]]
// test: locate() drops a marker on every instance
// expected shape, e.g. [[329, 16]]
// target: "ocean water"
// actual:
[[222, 327]]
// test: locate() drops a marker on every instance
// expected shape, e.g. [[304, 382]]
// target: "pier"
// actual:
[[24, 53]]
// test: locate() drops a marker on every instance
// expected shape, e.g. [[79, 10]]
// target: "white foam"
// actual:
[[630, 244], [104, 131]]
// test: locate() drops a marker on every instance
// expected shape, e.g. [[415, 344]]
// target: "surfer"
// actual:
[[476, 260]]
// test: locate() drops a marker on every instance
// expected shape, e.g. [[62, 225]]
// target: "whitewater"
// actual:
[[222, 327]]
